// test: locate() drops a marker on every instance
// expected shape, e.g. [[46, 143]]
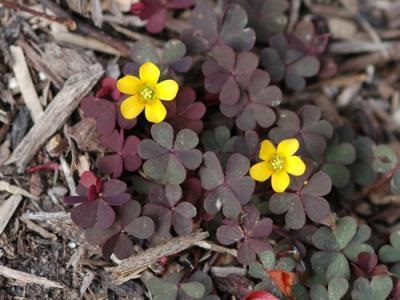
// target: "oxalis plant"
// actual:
[[198, 135]]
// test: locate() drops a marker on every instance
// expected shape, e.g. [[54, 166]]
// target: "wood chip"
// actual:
[[27, 278], [7, 210], [86, 42], [46, 216], [16, 190], [87, 281], [39, 229], [74, 260], [57, 112], [129, 267], [25, 83], [226, 271], [216, 248]]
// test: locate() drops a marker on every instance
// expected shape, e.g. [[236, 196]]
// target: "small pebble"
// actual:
[[72, 245]]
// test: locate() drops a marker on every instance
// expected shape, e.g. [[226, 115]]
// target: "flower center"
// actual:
[[147, 93], [277, 162]]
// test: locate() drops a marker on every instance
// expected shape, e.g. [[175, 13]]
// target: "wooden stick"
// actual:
[[28, 278], [46, 216], [377, 58], [57, 112], [16, 190], [25, 83], [86, 42], [131, 266], [216, 248], [7, 210], [12, 5]]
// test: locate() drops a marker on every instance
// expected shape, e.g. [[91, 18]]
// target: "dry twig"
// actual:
[[25, 83], [57, 112], [16, 190], [7, 210], [129, 267], [28, 278]]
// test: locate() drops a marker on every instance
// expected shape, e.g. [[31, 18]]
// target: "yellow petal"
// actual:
[[295, 166], [149, 73], [131, 107], [288, 147], [155, 111], [267, 150], [167, 89], [129, 85], [280, 181], [260, 171]]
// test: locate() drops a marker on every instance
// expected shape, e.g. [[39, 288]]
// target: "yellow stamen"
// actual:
[[147, 93], [277, 163]]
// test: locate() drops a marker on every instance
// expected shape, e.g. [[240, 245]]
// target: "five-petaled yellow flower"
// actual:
[[277, 163], [146, 93]]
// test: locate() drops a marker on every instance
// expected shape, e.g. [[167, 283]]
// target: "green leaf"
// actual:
[[318, 292], [339, 174], [395, 183], [161, 289], [267, 259], [299, 292], [339, 267], [362, 235], [352, 251], [143, 51], [342, 153], [337, 288], [330, 265], [286, 264], [174, 50], [395, 269], [204, 279], [345, 230], [324, 239], [378, 289], [256, 270], [193, 289], [385, 159], [391, 253], [268, 285]]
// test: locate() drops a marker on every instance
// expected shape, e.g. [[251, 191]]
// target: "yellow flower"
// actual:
[[146, 93], [277, 163]]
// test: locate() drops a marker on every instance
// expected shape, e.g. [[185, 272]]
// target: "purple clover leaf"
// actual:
[[210, 29], [184, 112], [250, 232], [155, 12], [96, 199], [103, 111], [255, 104], [307, 127], [106, 113], [316, 44], [166, 208], [227, 73], [247, 144], [229, 191], [167, 158], [367, 266], [172, 58], [303, 199], [265, 16], [286, 58], [108, 88], [124, 154], [115, 238]]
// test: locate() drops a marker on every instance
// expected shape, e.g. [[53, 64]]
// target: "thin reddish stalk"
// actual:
[[15, 6]]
